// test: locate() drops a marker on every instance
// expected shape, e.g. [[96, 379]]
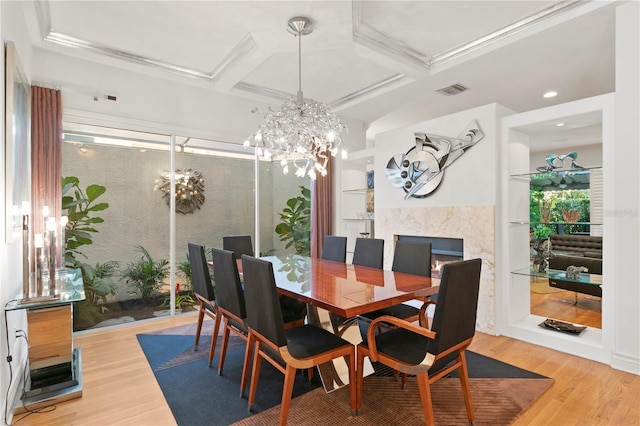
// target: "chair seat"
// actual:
[[401, 311], [401, 344], [308, 341]]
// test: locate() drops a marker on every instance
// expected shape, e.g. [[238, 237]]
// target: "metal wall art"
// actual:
[[420, 170], [189, 190], [557, 162]]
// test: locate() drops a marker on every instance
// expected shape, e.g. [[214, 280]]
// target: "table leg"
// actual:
[[335, 374]]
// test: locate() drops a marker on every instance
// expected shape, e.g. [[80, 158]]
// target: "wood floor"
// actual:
[[120, 388], [561, 305]]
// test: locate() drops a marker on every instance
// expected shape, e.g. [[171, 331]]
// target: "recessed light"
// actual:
[[560, 125], [550, 94]]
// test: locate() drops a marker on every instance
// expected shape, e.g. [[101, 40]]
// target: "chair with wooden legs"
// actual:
[[334, 248], [239, 244], [287, 350], [369, 252], [229, 300], [203, 290], [411, 257], [431, 354]]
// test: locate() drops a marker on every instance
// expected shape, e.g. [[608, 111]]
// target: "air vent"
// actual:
[[454, 89]]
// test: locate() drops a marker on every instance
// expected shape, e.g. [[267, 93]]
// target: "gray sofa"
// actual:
[[576, 250], [577, 245]]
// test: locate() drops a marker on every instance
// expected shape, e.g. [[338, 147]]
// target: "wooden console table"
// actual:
[[55, 366]]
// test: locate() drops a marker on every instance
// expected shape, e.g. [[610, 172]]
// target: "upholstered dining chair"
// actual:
[[411, 257], [229, 300], [334, 248], [431, 354], [203, 290], [239, 244], [369, 252], [287, 350]]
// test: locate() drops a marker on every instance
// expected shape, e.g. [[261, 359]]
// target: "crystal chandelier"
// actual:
[[303, 132]]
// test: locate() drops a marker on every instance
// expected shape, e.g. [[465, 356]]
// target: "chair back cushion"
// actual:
[[200, 271], [335, 248], [229, 294], [412, 257], [261, 297], [369, 252], [239, 244], [454, 320]]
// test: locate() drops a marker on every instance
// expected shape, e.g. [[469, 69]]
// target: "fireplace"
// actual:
[[443, 250]]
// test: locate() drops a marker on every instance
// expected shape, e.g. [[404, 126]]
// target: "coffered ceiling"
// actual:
[[377, 61]]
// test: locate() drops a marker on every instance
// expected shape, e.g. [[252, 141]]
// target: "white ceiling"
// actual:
[[376, 61]]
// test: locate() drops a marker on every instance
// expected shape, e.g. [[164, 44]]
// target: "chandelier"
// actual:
[[303, 132]]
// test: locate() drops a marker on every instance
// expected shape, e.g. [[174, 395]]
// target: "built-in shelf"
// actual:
[[584, 278], [357, 219], [355, 191], [555, 173]]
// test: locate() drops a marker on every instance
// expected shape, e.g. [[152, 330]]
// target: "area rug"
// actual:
[[197, 395]]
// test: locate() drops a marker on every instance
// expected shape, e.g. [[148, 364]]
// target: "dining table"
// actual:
[[336, 293]]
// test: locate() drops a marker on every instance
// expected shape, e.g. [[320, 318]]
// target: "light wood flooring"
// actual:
[[561, 305], [120, 388]]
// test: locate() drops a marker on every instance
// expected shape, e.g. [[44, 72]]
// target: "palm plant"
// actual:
[[146, 274]]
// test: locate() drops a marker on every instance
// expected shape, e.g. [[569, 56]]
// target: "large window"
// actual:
[[128, 242]]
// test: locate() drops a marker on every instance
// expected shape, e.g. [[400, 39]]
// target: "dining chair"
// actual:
[[334, 248], [431, 354], [301, 347], [239, 244], [204, 292], [229, 300], [410, 257], [369, 252]]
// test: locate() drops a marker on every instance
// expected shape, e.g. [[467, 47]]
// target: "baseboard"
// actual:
[[626, 363]]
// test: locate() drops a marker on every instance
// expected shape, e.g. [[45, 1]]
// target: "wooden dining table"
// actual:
[[347, 291]]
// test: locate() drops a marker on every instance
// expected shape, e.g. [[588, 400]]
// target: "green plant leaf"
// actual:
[[94, 191], [98, 207]]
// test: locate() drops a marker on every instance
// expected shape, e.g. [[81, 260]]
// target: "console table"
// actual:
[[55, 366]]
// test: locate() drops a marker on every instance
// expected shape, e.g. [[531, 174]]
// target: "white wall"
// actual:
[[12, 28], [625, 186], [470, 180], [462, 206]]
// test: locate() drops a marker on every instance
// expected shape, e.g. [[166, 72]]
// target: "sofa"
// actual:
[[576, 250], [577, 245]]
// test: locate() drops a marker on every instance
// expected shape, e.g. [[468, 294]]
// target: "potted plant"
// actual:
[[296, 223], [146, 274], [81, 207]]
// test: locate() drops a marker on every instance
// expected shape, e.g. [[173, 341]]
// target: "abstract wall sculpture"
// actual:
[[420, 170], [189, 190], [557, 162]]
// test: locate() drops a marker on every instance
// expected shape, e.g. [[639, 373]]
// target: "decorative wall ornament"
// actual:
[[420, 170], [557, 162], [189, 189]]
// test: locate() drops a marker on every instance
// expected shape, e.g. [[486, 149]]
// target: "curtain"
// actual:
[[321, 209], [46, 160]]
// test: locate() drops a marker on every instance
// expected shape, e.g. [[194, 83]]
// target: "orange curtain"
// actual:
[[321, 209], [46, 157]]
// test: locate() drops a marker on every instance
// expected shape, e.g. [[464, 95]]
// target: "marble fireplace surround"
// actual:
[[474, 224]]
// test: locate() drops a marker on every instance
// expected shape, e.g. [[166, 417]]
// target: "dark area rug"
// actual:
[[198, 396]]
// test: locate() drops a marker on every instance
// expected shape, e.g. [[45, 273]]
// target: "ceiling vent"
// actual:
[[454, 89]]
